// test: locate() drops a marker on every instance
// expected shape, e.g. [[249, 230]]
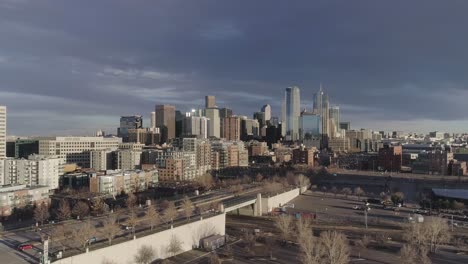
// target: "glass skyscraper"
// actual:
[[292, 111], [310, 126]]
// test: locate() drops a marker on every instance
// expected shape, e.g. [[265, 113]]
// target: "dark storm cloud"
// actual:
[[81, 64]]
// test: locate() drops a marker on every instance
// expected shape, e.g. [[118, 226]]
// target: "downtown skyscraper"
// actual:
[[292, 112], [322, 107]]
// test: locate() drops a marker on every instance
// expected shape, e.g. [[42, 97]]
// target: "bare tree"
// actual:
[[358, 191], [284, 224], [64, 210], [41, 213], [152, 216], [307, 243], [84, 233], [303, 181], [430, 234], [144, 255], [310, 248], [206, 181], [335, 247], [62, 235], [110, 229], [438, 232], [408, 254], [132, 222], [99, 206], [170, 212], [131, 201], [174, 247], [80, 210], [187, 207]]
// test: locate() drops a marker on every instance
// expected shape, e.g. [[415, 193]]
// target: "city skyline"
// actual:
[[383, 73]]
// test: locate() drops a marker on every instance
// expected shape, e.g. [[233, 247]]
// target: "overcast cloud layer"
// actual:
[[72, 67]]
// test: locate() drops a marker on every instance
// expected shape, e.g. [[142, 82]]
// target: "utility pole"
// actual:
[[452, 223]]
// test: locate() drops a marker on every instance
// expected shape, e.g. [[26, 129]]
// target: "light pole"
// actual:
[[366, 209]]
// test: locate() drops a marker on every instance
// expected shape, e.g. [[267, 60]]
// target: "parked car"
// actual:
[[24, 247], [357, 207]]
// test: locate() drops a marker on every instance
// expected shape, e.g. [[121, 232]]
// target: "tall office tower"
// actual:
[[266, 109], [310, 125], [210, 101], [317, 100], [225, 112], [195, 126], [214, 127], [321, 107], [153, 120], [260, 116], [292, 112], [3, 127], [231, 128], [335, 118], [129, 122], [179, 120], [166, 121]]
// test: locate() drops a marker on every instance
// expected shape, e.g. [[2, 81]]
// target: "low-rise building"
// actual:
[[303, 155], [19, 196]]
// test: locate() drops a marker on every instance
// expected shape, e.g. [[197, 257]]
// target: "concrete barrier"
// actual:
[[268, 203], [189, 235]]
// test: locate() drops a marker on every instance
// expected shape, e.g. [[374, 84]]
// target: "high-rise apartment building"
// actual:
[[76, 149], [231, 128], [129, 122], [166, 121], [210, 101], [202, 150], [3, 127], [292, 112], [266, 109]]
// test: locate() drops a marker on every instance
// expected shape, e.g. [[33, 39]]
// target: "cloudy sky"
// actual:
[[72, 67]]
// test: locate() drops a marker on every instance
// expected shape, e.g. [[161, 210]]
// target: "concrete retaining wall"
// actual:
[[268, 203], [124, 253]]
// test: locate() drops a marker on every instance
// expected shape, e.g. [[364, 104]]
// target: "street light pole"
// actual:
[[365, 216]]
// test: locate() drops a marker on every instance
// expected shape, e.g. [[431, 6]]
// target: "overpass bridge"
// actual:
[[236, 203]]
